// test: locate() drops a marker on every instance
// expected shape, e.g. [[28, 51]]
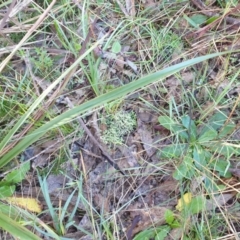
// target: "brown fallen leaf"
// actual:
[[146, 137], [149, 217], [218, 201]]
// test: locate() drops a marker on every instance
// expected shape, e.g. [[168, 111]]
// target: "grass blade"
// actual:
[[24, 117], [15, 229], [99, 102]]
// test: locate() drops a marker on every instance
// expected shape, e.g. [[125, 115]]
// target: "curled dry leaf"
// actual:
[[146, 138], [149, 218], [30, 204], [219, 201]]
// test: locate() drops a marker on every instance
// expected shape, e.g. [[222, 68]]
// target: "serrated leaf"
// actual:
[[30, 204], [7, 191], [116, 47], [18, 175], [169, 216]]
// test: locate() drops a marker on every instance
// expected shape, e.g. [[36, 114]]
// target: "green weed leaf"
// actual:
[[116, 47], [7, 191], [197, 205], [17, 175], [212, 19], [145, 235], [185, 169], [222, 167], [208, 136], [215, 122], [198, 19], [170, 219], [167, 122], [173, 151], [199, 157], [190, 125], [173, 126], [158, 233], [162, 233], [224, 150], [229, 128]]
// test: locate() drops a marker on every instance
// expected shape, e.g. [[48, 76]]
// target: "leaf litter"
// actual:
[[137, 189]]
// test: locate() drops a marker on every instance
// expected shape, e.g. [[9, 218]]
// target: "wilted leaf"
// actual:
[[185, 200], [30, 204]]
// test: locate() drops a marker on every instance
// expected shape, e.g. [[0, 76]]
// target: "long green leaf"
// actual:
[[15, 229], [99, 102], [24, 117]]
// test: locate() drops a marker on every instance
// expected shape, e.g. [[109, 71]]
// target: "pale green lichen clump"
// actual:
[[118, 125]]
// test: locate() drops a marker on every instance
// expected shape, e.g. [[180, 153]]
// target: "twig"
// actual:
[[93, 139], [6, 16]]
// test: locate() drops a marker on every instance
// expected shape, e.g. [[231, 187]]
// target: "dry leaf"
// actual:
[[149, 217], [30, 204], [185, 200], [219, 201]]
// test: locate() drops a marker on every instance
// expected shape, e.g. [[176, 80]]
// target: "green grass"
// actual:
[[187, 84]]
